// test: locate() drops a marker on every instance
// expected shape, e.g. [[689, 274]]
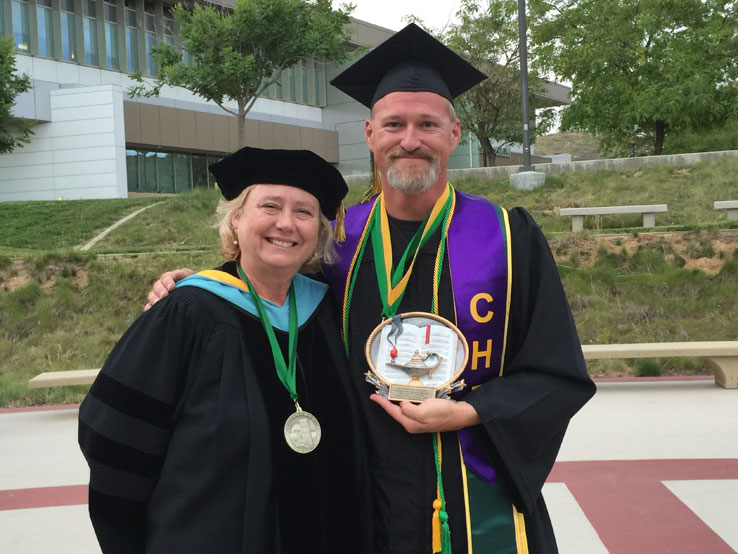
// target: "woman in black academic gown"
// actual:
[[224, 421]]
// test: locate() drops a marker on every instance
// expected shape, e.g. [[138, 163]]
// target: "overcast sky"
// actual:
[[390, 13]]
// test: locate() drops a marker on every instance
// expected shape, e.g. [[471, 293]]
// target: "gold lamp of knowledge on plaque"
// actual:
[[415, 356]]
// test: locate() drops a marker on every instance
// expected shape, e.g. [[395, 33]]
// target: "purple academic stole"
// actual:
[[479, 258]]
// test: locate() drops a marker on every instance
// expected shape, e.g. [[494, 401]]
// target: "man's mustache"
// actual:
[[400, 152]]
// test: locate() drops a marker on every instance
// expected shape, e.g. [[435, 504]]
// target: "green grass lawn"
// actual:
[[72, 307]]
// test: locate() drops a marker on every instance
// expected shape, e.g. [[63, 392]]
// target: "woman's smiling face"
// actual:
[[277, 229]]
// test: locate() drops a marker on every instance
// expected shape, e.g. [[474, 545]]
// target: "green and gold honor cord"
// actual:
[[393, 281], [392, 284], [285, 370]]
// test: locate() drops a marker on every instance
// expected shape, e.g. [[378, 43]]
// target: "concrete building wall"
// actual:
[[79, 153]]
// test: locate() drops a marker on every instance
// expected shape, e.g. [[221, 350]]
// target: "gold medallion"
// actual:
[[302, 431]]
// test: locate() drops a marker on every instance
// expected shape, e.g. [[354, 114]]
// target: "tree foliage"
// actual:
[[487, 36], [13, 134], [641, 69], [236, 55]]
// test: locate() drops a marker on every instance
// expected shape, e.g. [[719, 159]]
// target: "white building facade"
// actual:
[[92, 140]]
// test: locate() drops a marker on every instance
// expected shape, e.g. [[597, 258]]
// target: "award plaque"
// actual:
[[416, 356]]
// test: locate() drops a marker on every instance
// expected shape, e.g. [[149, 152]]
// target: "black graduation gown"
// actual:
[[183, 433], [524, 413]]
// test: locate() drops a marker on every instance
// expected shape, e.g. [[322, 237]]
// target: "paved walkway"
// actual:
[[646, 468]]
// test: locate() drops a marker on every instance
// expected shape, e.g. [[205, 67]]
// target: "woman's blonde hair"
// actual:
[[325, 250]]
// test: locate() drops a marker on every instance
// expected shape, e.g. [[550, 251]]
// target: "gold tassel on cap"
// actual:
[[376, 185], [339, 231]]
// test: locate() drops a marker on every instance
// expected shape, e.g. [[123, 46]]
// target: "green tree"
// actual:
[[236, 55], [487, 36], [13, 134], [641, 69]]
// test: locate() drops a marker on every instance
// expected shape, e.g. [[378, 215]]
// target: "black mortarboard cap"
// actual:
[[411, 60], [297, 168]]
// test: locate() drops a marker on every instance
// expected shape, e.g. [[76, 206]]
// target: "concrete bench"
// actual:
[[649, 213], [721, 355], [63, 378], [730, 205]]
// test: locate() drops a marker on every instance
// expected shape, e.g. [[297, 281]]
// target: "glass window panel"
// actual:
[[149, 173], [46, 3], [45, 32], [110, 13], [316, 83], [131, 18], [199, 171], [89, 8], [292, 88], [165, 171], [305, 89], [130, 4], [182, 177], [90, 32], [149, 17], [211, 161], [151, 67], [67, 5], [132, 48], [140, 157], [111, 46], [132, 170], [68, 37], [21, 29]]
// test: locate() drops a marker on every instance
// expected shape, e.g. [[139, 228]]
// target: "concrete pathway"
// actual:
[[97, 238], [646, 468]]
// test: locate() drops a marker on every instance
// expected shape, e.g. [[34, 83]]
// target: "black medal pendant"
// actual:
[[302, 431]]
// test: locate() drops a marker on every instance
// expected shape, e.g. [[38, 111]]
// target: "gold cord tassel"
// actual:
[[436, 526], [375, 187], [339, 231]]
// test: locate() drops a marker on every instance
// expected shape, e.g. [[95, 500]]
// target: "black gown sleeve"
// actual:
[[525, 412], [126, 419]]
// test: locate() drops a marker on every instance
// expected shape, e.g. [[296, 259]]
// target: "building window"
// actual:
[[89, 24], [132, 170], [182, 172], [169, 26], [292, 88], [131, 36], [167, 172], [68, 31], [150, 27], [305, 77], [21, 30], [45, 28], [319, 82], [111, 35]]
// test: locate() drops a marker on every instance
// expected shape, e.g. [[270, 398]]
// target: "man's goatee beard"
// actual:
[[413, 182]]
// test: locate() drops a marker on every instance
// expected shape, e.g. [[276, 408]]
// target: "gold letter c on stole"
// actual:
[[473, 307]]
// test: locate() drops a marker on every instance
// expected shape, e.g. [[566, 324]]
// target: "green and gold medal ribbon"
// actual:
[[285, 370], [393, 282]]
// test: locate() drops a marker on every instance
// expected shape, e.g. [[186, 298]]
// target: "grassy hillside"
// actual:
[[62, 309]]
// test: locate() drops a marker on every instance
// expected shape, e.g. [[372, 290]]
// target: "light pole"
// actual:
[[523, 47], [526, 178]]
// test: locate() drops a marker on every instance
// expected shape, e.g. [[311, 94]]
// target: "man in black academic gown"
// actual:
[[470, 469], [498, 441]]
